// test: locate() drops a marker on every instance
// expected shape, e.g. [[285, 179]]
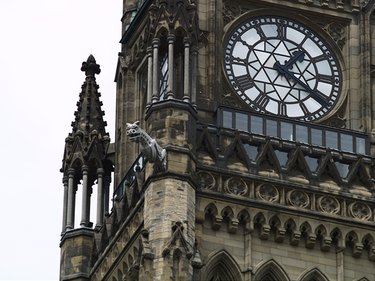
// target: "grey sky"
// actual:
[[43, 44]]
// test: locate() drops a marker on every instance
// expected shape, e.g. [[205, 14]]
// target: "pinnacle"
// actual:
[[89, 115], [90, 67]]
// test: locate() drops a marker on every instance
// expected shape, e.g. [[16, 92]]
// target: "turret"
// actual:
[[85, 168]]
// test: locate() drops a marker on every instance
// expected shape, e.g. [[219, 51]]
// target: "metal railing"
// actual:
[[129, 178]]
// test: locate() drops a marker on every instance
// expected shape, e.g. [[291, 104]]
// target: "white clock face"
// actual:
[[279, 66]]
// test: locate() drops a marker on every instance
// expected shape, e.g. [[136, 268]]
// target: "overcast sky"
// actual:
[[42, 46]]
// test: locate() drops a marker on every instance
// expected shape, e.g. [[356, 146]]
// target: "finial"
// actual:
[[90, 67]]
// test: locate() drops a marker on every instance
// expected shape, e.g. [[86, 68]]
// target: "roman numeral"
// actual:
[[325, 78], [238, 61], [262, 101], [281, 31], [319, 58], [282, 109], [245, 82]]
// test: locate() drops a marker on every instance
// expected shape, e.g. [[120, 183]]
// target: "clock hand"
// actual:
[[297, 56], [289, 75]]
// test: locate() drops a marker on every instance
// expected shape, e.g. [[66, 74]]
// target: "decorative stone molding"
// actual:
[[328, 204], [173, 15], [178, 241], [312, 201], [298, 199], [360, 211], [196, 261], [232, 9], [206, 180], [229, 100], [286, 228], [236, 186], [146, 247], [267, 192], [337, 33]]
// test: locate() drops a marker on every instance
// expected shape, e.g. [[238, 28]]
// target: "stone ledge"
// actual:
[[75, 233]]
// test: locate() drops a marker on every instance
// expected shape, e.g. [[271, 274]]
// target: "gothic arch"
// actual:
[[227, 213], [211, 209], [222, 267], [270, 271], [313, 275]]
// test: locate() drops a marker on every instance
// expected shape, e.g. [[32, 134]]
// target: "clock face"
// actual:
[[279, 66]]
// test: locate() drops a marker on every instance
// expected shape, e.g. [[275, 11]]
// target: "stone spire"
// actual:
[[89, 116], [88, 128], [85, 158]]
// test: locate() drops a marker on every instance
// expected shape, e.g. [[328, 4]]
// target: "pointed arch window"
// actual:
[[314, 275], [271, 271], [222, 267], [221, 274]]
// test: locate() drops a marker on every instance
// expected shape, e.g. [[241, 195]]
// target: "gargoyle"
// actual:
[[149, 147]]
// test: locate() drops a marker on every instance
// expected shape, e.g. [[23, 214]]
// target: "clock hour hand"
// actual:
[[297, 56], [289, 75], [288, 64]]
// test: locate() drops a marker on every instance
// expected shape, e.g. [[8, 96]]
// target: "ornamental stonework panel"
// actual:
[[329, 205], [267, 192], [359, 210], [297, 198], [206, 180], [236, 186]]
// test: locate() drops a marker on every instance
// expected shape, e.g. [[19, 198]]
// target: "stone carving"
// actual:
[[298, 198], [125, 61], [229, 100], [177, 241], [235, 186], [149, 147], [232, 9], [267, 192], [360, 211], [206, 180], [170, 15], [328, 204], [337, 33]]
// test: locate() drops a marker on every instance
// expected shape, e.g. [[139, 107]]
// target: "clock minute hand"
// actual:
[[315, 95]]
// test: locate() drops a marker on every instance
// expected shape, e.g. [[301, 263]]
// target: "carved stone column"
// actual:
[[107, 183], [100, 205], [194, 73], [171, 40], [186, 97], [149, 76], [71, 200], [65, 203], [155, 69], [85, 197]]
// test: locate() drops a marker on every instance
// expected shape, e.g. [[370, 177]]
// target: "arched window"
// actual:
[[270, 271], [313, 275], [222, 267]]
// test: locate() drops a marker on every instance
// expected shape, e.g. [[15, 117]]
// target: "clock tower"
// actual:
[[244, 146]]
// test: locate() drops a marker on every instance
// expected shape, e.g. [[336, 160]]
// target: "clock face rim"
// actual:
[[336, 97]]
